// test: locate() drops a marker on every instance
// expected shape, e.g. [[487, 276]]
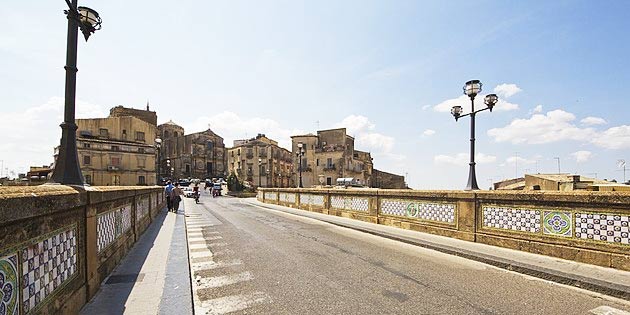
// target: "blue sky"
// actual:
[[387, 70]]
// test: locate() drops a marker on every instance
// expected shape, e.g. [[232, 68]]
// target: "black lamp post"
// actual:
[[259, 170], [158, 146], [300, 155], [67, 169], [472, 88]]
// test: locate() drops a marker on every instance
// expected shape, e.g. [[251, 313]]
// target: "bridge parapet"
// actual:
[[589, 227], [58, 243]]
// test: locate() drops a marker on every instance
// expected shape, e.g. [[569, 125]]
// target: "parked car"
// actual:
[[184, 182], [188, 192]]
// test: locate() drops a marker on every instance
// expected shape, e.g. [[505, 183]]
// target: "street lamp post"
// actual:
[[472, 88], [300, 155], [67, 169], [259, 170], [158, 146]]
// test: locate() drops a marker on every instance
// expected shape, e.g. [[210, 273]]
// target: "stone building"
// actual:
[[261, 162], [119, 149], [559, 182], [198, 155], [387, 180], [330, 155]]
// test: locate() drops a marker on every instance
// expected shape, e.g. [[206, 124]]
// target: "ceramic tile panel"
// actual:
[[350, 203], [612, 228], [9, 285], [558, 223], [310, 199], [513, 219], [259, 195], [46, 266], [112, 224], [142, 207], [271, 196], [439, 212], [287, 197]]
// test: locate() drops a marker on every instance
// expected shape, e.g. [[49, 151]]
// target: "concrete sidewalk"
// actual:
[[154, 277], [607, 281]]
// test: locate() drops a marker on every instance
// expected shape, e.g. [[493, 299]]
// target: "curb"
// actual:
[[590, 284]]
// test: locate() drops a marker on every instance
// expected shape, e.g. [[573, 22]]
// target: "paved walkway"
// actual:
[[154, 277], [608, 281]]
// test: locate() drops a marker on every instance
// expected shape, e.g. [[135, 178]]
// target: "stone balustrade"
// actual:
[[584, 226], [58, 243]]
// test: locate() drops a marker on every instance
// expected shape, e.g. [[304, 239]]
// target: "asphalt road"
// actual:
[[269, 262]]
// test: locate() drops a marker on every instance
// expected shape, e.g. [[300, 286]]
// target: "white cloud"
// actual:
[[428, 132], [30, 135], [504, 91], [519, 160], [582, 156], [554, 126], [592, 121], [425, 107], [507, 90], [614, 138], [462, 159], [355, 124], [538, 109]]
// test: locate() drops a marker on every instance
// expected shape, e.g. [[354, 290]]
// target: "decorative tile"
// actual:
[[310, 199], [112, 224], [349, 203], [142, 207], [259, 195], [557, 223], [440, 212], [46, 266], [271, 196], [514, 219], [287, 197], [612, 228], [9, 285]]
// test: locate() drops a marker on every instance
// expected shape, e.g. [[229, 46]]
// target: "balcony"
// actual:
[[330, 168], [114, 168], [249, 155]]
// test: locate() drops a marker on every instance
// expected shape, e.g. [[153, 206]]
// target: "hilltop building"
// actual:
[[559, 182], [330, 155], [261, 162], [118, 149], [198, 155]]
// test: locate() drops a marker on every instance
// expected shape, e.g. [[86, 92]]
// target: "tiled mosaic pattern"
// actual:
[[259, 195], [46, 265], [310, 199], [440, 212], [558, 223], [515, 219], [112, 224], [349, 203], [286, 197], [611, 228], [9, 287], [142, 208], [271, 196]]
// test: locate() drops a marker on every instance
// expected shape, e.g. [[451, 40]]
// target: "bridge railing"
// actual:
[[58, 243], [584, 226]]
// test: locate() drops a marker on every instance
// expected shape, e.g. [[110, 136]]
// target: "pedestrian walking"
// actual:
[[168, 189], [176, 195]]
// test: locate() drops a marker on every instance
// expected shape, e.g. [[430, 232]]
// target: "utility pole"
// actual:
[[558, 159]]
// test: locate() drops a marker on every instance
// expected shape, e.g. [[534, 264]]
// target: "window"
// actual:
[[262, 169], [87, 160], [187, 168], [115, 161], [141, 162], [86, 145], [329, 163], [103, 132], [115, 148], [140, 150], [210, 145], [116, 180], [317, 162], [141, 180], [175, 134], [139, 136], [124, 134], [88, 179]]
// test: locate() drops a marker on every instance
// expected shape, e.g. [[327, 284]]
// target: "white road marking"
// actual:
[[221, 281], [232, 303], [607, 310], [214, 265]]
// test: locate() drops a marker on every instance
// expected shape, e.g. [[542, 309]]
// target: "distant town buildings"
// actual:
[[559, 182], [330, 155], [118, 149], [198, 155], [261, 162]]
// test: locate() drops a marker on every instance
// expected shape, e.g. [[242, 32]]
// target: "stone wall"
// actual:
[[584, 226], [58, 243]]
